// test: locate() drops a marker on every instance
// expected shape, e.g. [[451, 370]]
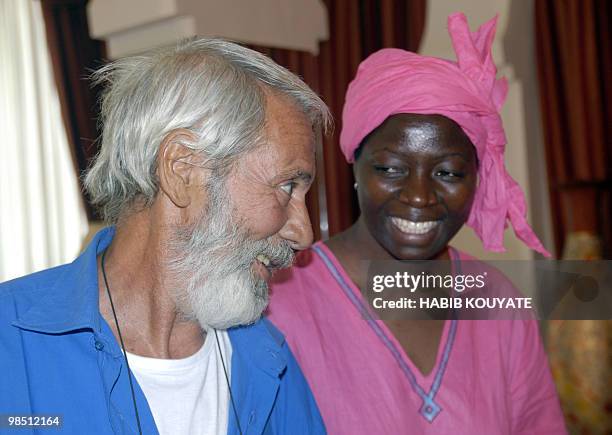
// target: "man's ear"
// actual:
[[177, 167]]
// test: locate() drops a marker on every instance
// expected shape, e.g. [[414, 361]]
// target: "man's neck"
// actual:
[[141, 286]]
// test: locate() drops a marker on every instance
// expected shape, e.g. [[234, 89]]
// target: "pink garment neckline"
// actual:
[[424, 381]]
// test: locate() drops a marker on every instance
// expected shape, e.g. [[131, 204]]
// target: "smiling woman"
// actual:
[[427, 143]]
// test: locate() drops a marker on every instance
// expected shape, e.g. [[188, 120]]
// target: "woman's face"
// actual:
[[417, 177]]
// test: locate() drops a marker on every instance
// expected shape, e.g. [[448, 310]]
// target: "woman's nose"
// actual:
[[418, 190]]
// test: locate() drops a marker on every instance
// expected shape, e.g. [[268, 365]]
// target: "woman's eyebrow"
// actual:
[[468, 157], [386, 150], [457, 154]]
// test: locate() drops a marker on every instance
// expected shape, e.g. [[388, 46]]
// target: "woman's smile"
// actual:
[[414, 228]]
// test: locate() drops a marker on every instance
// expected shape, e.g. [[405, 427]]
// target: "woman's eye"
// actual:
[[451, 175], [388, 170], [288, 187]]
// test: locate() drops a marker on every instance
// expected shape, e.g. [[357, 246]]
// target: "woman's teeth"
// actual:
[[263, 259], [410, 227]]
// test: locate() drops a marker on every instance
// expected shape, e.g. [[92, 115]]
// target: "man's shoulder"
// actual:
[[32, 283], [19, 294]]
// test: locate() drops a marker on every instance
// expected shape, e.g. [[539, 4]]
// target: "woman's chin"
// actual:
[[408, 246], [414, 252]]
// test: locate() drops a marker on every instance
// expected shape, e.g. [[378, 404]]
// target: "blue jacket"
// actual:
[[58, 356]]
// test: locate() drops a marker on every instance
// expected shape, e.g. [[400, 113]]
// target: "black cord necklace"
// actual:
[[228, 384], [127, 364], [110, 298]]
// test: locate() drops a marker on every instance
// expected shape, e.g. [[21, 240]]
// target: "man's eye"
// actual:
[[288, 187]]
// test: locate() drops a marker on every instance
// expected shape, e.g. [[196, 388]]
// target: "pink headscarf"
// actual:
[[393, 81]]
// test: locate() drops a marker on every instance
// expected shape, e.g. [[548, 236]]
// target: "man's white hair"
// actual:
[[214, 88]]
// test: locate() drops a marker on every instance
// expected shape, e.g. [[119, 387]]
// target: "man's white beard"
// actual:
[[212, 262]]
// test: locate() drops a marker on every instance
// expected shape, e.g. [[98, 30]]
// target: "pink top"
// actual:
[[490, 377]]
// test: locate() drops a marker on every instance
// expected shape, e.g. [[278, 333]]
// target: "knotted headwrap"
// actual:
[[393, 81]]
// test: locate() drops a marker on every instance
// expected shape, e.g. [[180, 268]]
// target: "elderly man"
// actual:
[[207, 154]]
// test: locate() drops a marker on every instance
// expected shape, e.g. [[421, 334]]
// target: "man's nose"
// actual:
[[418, 191], [297, 230]]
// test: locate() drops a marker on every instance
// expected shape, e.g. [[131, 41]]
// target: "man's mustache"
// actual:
[[280, 254]]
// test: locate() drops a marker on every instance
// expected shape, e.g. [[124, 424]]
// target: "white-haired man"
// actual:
[[206, 156]]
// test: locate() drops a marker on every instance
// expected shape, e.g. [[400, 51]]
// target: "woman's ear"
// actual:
[[355, 167]]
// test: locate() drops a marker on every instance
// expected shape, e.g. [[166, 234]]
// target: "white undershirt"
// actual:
[[189, 395]]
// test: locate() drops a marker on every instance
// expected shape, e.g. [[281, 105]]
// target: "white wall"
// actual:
[[133, 26], [514, 54]]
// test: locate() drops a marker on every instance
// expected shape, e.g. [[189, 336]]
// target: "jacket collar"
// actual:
[[71, 303]]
